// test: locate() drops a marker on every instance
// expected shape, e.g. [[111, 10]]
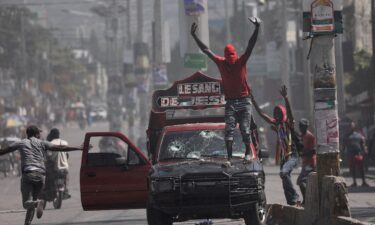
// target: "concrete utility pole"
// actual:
[[373, 55], [161, 47], [111, 13], [188, 47], [142, 67], [285, 68], [340, 77], [325, 94]]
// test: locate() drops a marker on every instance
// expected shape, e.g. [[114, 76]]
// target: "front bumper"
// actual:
[[209, 195]]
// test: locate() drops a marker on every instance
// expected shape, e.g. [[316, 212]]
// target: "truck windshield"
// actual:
[[197, 144]]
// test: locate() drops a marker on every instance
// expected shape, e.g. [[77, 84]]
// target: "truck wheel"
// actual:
[[157, 217], [257, 214]]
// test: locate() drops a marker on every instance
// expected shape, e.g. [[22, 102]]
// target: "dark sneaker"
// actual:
[[30, 204], [66, 196], [39, 209]]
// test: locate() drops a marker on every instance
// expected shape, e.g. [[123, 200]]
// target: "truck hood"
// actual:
[[179, 168]]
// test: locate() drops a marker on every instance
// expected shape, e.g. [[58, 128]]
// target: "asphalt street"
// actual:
[[362, 200]]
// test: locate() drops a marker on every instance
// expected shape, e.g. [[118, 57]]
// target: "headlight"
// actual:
[[246, 174], [161, 185]]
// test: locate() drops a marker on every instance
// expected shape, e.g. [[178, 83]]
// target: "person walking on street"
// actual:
[[60, 164], [33, 151], [236, 88], [286, 150], [355, 147], [308, 155]]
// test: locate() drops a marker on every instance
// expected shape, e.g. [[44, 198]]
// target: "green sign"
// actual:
[[195, 60]]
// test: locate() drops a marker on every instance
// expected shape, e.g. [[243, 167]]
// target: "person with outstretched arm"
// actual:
[[287, 143], [33, 153], [236, 88]]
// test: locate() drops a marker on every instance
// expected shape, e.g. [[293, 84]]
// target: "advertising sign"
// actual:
[[195, 92], [327, 129], [195, 61], [194, 7], [322, 17]]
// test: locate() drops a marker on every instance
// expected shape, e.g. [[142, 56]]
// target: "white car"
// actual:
[[99, 113]]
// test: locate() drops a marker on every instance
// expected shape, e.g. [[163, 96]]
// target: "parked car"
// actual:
[[98, 113], [184, 176]]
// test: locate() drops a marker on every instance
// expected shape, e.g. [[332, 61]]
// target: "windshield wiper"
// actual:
[[178, 158], [213, 155]]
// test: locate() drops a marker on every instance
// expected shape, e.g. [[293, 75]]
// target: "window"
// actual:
[[107, 151], [196, 144]]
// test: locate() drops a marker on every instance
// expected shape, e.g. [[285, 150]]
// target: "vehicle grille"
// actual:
[[205, 189], [243, 190]]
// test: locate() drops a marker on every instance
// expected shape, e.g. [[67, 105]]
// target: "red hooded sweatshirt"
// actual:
[[233, 73]]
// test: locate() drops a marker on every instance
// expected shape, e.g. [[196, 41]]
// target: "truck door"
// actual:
[[113, 173]]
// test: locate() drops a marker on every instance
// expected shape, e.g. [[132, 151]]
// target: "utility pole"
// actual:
[[142, 67], [285, 68], [140, 20], [111, 13], [340, 77], [188, 14], [161, 51], [323, 61], [23, 49], [373, 55], [227, 23]]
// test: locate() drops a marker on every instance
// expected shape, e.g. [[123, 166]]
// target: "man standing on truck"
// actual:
[[33, 153], [236, 88]]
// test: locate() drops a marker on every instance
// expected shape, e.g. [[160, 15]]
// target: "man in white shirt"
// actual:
[[59, 159]]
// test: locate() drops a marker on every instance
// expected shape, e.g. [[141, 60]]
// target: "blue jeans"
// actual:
[[238, 111], [286, 169]]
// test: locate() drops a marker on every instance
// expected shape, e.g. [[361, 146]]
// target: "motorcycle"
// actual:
[[54, 190]]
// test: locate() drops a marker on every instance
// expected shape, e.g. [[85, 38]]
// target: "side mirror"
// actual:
[[264, 153]]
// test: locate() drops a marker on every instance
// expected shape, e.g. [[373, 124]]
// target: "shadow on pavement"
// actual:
[[363, 213], [107, 222], [360, 189]]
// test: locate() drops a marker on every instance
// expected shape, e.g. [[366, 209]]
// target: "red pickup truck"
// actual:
[[184, 175]]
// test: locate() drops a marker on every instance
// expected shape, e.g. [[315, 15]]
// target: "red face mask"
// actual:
[[230, 54]]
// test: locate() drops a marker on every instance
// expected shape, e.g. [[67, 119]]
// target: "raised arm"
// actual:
[[6, 150], [63, 148], [203, 47], [11, 148], [284, 93], [252, 40], [267, 118]]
